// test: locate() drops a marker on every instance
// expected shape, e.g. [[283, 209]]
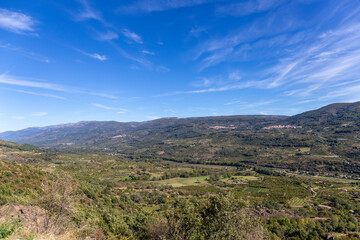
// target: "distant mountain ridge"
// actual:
[[329, 115], [89, 131], [179, 135]]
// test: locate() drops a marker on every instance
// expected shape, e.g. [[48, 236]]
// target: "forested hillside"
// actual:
[[327, 139]]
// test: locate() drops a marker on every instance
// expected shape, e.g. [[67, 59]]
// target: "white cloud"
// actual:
[[148, 52], [162, 69], [25, 53], [16, 22], [41, 94], [140, 60], [106, 36], [293, 59], [105, 95], [121, 112], [93, 55], [160, 5], [102, 106], [252, 39], [233, 102], [321, 66], [203, 82], [248, 7], [87, 12], [39, 114], [217, 84], [226, 87], [18, 117], [196, 31], [98, 56], [152, 117], [235, 76], [132, 36], [15, 81], [11, 80]]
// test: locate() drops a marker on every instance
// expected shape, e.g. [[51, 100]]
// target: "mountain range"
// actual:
[[324, 137]]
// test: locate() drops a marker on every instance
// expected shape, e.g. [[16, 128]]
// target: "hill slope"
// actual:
[[330, 115], [328, 137], [90, 134]]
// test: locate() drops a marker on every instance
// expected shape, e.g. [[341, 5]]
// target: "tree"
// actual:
[[57, 199]]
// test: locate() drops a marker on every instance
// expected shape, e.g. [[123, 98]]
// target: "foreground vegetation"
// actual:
[[99, 196]]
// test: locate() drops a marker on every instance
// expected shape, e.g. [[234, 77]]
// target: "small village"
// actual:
[[281, 127]]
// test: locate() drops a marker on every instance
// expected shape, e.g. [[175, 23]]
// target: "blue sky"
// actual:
[[73, 60]]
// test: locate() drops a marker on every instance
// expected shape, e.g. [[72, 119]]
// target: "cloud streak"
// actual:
[[292, 57], [10, 80], [248, 7], [148, 6], [147, 52], [25, 53], [334, 58], [16, 22], [111, 33], [41, 94], [93, 55], [18, 117], [39, 114], [15, 81], [107, 36], [97, 56], [102, 106], [132, 36], [87, 12]]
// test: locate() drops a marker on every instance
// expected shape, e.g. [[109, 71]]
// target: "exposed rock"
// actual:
[[33, 218]]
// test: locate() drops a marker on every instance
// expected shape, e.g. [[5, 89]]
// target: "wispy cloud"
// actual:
[[148, 52], [139, 60], [317, 65], [152, 117], [233, 102], [132, 36], [248, 7], [25, 53], [292, 57], [97, 56], [106, 36], [41, 94], [235, 76], [87, 12], [228, 87], [11, 80], [105, 95], [196, 31], [246, 41], [217, 84], [111, 33], [21, 82], [102, 106], [16, 22], [147, 6], [93, 55], [249, 105], [18, 117], [351, 93], [39, 114], [332, 59]]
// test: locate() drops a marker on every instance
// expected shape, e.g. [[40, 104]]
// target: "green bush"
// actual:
[[6, 229]]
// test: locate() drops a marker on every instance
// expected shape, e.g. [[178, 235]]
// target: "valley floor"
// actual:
[[98, 196]]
